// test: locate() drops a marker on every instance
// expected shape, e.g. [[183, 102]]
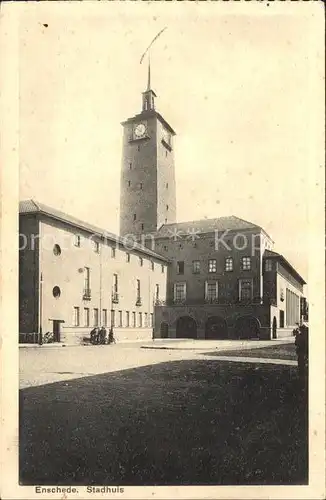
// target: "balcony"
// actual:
[[139, 301], [115, 298], [87, 294], [217, 301]]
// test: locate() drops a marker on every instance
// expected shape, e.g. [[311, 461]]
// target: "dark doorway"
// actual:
[[186, 328], [164, 330], [274, 327], [247, 327], [281, 319], [56, 330], [216, 328]]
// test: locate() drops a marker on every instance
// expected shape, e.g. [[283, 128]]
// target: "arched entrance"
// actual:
[[186, 328], [216, 328], [164, 330], [247, 327], [274, 328]]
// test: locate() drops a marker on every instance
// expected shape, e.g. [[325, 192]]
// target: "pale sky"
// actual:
[[237, 85]]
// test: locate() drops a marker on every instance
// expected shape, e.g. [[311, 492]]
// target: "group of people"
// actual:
[[99, 336]]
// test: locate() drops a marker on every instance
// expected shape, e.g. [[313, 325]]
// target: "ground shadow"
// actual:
[[281, 351], [174, 423]]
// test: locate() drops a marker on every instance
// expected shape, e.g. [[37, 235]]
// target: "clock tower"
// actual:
[[147, 191]]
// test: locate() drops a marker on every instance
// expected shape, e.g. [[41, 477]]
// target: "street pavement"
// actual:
[[43, 365]]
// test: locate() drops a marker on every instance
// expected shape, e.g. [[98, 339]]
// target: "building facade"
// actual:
[[74, 276]]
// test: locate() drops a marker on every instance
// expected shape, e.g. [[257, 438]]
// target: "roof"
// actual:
[[35, 207], [230, 223], [277, 256]]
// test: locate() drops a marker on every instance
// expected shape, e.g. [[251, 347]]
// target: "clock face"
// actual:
[[140, 130]]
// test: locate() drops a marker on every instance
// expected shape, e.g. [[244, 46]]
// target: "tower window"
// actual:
[[130, 166], [135, 217]]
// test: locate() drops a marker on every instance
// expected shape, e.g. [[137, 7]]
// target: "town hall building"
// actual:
[[213, 278]]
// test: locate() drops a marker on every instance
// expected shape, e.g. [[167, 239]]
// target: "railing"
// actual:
[[218, 301], [115, 298], [87, 294]]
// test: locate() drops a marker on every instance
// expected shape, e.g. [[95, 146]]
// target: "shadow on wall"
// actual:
[[124, 428]]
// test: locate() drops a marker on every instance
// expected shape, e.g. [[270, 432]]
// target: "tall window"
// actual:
[[95, 317], [135, 217], [138, 289], [145, 320], [112, 317], [87, 279], [140, 185], [113, 252], [115, 283], [141, 261], [76, 316], [140, 316], [96, 246], [105, 317], [127, 257], [180, 267], [246, 263], [134, 319], [86, 316], [152, 265], [179, 292], [162, 268], [245, 289], [151, 320], [157, 292], [268, 265], [196, 266], [229, 264], [212, 266], [211, 291], [77, 240], [127, 319], [120, 319]]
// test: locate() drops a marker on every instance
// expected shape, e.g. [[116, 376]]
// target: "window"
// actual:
[[140, 320], [86, 316], [56, 292], [129, 183], [167, 207], [127, 257], [115, 289], [127, 319], [120, 319], [141, 261], [212, 266], [138, 148], [76, 316], [245, 289], [165, 248], [268, 265], [130, 166], [87, 275], [151, 320], [167, 185], [138, 289], [162, 268], [135, 217], [281, 319], [113, 252], [229, 264], [57, 250], [152, 265], [140, 185], [246, 263], [77, 240], [157, 292], [211, 291], [179, 292], [145, 320], [96, 246], [180, 267], [112, 317], [105, 317], [166, 221], [134, 319], [95, 317], [196, 266], [142, 227]]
